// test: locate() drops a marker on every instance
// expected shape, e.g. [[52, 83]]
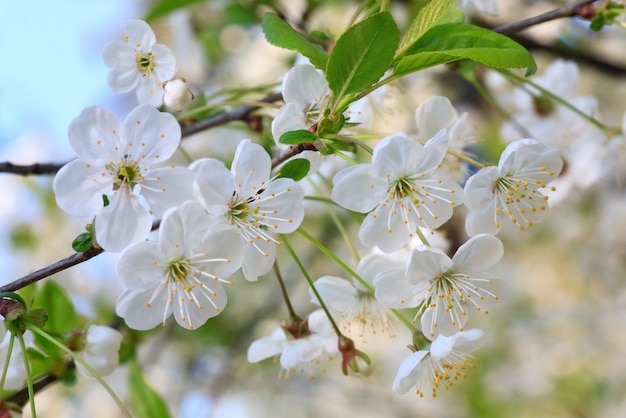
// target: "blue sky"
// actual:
[[52, 65]]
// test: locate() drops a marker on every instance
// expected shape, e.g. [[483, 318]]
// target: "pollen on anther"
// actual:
[[148, 304]]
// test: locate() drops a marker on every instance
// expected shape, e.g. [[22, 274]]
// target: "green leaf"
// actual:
[[145, 401], [61, 315], [456, 41], [434, 13], [165, 7], [362, 55], [82, 242], [295, 169], [280, 34], [297, 137]]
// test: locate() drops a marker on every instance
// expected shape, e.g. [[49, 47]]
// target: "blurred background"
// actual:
[[556, 338]]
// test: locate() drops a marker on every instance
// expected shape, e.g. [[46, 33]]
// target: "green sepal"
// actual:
[[82, 242]]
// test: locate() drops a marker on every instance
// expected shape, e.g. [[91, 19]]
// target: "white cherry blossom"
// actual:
[[101, 350], [252, 202], [181, 274], [299, 349], [122, 161], [443, 364], [399, 189], [443, 288], [351, 301], [138, 63], [512, 194], [437, 113], [305, 91]]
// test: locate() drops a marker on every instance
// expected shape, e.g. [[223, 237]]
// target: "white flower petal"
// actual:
[[288, 118], [478, 254], [397, 156], [95, 136], [167, 187], [385, 228], [303, 84], [480, 188], [139, 35], [132, 305], [267, 346], [192, 312], [214, 185], [122, 223], [150, 136], [141, 265], [257, 263], [299, 351], [484, 220], [440, 321], [358, 188], [406, 377], [426, 263], [337, 293], [435, 114], [78, 188], [251, 167], [393, 291]]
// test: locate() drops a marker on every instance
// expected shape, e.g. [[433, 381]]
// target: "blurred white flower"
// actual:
[[351, 301], [139, 63], [443, 364], [437, 113], [101, 350], [176, 95], [299, 348], [122, 162]]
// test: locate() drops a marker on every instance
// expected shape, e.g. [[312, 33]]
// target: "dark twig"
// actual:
[[241, 113], [60, 265], [583, 9], [292, 151], [25, 170]]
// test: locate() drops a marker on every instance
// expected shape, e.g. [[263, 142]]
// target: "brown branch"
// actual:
[[60, 265], [292, 151], [583, 9], [32, 169], [242, 113]]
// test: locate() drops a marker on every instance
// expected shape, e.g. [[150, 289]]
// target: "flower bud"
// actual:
[[353, 362], [176, 95]]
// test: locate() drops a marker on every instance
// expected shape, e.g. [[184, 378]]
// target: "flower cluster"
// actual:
[[214, 221]]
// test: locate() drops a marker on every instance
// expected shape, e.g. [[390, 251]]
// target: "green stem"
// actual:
[[588, 118], [29, 376], [422, 236], [283, 290], [338, 223], [310, 281], [466, 158], [76, 358], [358, 278], [7, 361]]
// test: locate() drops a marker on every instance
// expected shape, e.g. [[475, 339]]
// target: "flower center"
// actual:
[[145, 63], [127, 173], [177, 271]]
